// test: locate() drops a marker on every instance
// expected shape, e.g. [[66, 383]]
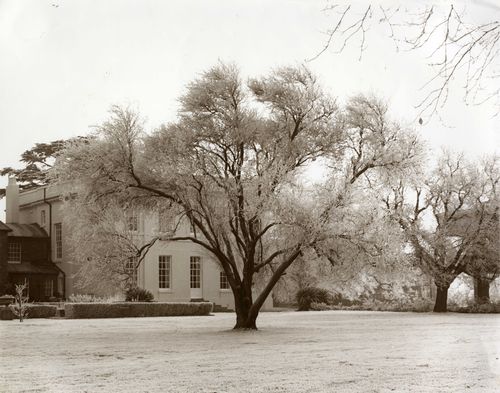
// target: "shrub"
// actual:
[[486, 308], [306, 296], [135, 309], [136, 294], [83, 298], [418, 305], [339, 300], [322, 307]]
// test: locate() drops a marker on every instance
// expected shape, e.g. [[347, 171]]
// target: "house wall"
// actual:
[[180, 253], [3, 261], [35, 251], [31, 205], [30, 211]]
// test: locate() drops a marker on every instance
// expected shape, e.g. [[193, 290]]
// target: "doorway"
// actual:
[[195, 278]]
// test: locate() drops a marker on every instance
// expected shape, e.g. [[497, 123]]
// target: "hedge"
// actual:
[[135, 309], [41, 311], [34, 311]]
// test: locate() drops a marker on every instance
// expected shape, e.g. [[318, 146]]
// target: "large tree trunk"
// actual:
[[245, 315], [481, 290], [441, 304], [246, 309]]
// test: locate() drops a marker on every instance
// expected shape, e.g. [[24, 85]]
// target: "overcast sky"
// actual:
[[63, 63]]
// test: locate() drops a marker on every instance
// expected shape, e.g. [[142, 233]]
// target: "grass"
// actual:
[[328, 351]]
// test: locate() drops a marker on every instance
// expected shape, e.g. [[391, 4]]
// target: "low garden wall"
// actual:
[[135, 309]]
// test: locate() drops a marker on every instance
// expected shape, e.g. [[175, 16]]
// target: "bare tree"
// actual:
[[455, 46]]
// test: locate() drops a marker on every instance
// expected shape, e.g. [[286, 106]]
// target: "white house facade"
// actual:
[[176, 271]]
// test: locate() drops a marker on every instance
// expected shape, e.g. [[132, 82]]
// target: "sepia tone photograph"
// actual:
[[249, 196]]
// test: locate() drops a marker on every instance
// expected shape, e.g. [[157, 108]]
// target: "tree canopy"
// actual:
[[38, 160], [233, 164]]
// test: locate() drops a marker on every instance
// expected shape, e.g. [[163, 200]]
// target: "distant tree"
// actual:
[[37, 162], [232, 164], [446, 218], [484, 260], [484, 257], [452, 42]]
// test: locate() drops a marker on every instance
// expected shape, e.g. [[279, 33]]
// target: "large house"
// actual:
[[173, 271]]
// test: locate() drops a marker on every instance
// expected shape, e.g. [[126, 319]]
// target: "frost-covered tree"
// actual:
[[20, 306], [233, 164], [446, 218], [484, 257], [104, 245]]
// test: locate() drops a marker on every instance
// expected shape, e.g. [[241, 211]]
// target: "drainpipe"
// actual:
[[50, 242], [50, 221]]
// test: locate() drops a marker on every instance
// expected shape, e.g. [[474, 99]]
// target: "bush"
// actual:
[[486, 308], [136, 294], [306, 296], [135, 309], [339, 300], [322, 307], [83, 298]]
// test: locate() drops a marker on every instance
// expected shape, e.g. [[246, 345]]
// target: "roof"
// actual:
[[28, 267], [26, 230], [4, 227]]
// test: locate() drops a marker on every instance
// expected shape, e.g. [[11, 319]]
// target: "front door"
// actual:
[[195, 278]]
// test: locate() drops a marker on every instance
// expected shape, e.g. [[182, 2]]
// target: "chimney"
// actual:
[[12, 202]]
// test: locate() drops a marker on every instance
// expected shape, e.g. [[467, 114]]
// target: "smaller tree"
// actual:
[[484, 257], [20, 306], [456, 195]]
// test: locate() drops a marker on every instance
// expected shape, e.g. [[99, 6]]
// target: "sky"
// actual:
[[64, 63]]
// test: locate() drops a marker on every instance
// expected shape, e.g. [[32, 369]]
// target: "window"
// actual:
[[48, 287], [58, 237], [131, 270], [224, 283], [164, 271], [195, 272], [14, 252], [132, 222], [42, 218]]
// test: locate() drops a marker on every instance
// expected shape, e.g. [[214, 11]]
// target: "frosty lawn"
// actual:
[[292, 352]]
